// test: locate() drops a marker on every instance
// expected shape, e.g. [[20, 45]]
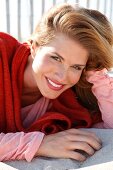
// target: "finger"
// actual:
[[92, 141], [76, 156], [95, 136], [87, 139], [82, 146], [83, 132]]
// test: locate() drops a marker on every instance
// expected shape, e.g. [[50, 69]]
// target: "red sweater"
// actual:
[[65, 113]]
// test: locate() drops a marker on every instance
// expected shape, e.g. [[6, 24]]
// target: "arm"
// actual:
[[19, 145], [76, 144], [103, 90]]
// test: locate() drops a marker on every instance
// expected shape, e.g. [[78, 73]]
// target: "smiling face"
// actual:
[[58, 65]]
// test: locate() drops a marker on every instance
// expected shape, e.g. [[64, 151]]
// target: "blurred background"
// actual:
[[19, 17]]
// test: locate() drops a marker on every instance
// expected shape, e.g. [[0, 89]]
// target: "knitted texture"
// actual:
[[65, 112]]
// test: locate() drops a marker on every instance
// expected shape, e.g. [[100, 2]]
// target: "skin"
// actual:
[[64, 144], [61, 61], [55, 68]]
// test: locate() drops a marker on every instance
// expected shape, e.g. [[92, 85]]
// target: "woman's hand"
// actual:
[[66, 143], [93, 76]]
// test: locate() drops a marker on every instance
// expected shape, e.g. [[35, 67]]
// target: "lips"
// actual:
[[54, 85]]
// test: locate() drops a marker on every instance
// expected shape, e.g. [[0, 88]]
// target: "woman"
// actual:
[[36, 86]]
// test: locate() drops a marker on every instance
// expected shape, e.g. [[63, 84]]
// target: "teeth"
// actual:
[[53, 84]]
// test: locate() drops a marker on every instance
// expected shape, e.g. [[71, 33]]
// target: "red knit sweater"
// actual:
[[65, 113]]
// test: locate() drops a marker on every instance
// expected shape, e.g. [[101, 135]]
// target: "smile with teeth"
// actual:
[[54, 85]]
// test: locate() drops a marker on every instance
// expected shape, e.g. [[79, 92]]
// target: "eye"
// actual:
[[78, 68], [56, 58]]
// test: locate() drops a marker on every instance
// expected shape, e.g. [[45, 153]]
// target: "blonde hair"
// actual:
[[91, 29], [83, 88]]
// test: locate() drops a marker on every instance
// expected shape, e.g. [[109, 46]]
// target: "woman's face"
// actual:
[[58, 65]]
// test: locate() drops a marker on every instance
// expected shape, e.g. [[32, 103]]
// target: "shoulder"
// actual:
[[6, 36], [8, 43], [7, 39]]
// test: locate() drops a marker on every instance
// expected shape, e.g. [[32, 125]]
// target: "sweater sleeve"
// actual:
[[20, 145], [103, 90]]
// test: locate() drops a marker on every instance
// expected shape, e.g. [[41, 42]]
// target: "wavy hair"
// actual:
[[88, 27]]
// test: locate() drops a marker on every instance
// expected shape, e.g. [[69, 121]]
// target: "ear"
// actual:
[[33, 49]]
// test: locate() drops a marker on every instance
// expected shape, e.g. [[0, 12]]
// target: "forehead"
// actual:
[[70, 50]]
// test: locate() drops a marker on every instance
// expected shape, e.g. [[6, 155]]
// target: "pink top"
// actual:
[[20, 145], [103, 90]]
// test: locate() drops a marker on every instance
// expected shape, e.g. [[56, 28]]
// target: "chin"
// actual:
[[51, 96]]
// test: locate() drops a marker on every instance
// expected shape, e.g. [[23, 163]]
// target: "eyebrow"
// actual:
[[81, 65]]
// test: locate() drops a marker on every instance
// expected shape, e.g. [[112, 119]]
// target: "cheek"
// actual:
[[37, 65], [75, 78], [34, 67]]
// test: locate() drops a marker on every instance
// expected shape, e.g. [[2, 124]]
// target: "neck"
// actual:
[[29, 84], [29, 97]]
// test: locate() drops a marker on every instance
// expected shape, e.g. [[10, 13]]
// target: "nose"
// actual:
[[62, 75]]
